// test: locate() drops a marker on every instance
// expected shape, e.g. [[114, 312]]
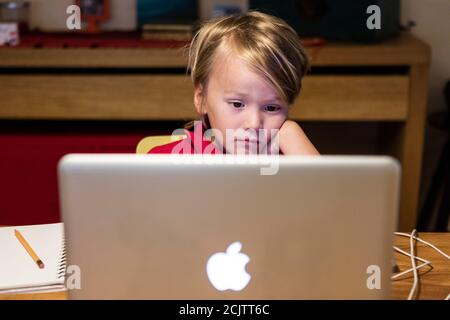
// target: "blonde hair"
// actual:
[[266, 43]]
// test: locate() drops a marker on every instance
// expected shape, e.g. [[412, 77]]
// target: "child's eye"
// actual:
[[237, 104], [272, 108]]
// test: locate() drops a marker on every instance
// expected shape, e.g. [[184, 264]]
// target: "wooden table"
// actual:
[[385, 83], [433, 283]]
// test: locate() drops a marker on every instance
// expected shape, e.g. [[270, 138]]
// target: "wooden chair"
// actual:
[[148, 143]]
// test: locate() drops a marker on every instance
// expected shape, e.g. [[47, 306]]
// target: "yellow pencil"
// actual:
[[30, 251]]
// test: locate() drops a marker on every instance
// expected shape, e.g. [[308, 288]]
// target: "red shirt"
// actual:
[[189, 145]]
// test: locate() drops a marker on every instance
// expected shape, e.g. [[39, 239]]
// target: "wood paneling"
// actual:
[[170, 97]]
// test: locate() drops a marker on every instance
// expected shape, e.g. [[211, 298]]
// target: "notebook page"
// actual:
[[17, 268]]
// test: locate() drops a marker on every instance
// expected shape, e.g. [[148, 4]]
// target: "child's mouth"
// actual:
[[248, 144], [248, 141]]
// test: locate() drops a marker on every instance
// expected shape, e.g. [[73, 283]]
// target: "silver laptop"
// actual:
[[229, 227]]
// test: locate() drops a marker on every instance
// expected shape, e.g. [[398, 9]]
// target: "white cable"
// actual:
[[413, 264], [409, 255], [398, 275], [409, 270], [413, 258], [424, 242]]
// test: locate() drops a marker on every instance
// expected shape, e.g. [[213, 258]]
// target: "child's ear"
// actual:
[[198, 100]]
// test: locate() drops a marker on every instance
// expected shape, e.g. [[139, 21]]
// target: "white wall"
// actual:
[[432, 18], [50, 15]]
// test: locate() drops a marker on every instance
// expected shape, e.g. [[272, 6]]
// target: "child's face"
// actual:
[[239, 98]]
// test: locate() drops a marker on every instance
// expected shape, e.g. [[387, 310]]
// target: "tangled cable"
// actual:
[[412, 254]]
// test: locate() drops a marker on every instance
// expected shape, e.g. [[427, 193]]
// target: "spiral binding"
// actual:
[[62, 260]]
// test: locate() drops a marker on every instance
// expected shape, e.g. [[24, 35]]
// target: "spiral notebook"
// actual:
[[19, 273]]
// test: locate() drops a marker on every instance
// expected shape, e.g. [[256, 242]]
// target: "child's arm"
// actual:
[[293, 141]]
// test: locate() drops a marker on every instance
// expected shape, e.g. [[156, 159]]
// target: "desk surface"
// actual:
[[434, 282]]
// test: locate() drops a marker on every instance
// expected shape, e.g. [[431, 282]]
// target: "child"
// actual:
[[247, 71]]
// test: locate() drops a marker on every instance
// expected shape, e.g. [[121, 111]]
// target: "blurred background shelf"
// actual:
[[127, 50], [130, 79]]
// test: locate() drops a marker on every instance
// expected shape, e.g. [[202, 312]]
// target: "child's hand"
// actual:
[[293, 140]]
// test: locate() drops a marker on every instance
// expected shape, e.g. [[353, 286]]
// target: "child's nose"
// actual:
[[253, 120]]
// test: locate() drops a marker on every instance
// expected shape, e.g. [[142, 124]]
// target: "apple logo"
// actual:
[[226, 270]]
